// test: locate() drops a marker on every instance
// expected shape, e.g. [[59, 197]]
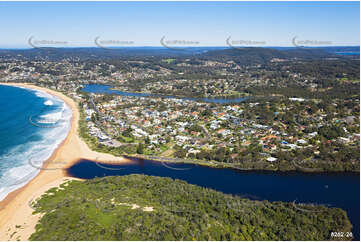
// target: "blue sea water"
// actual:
[[32, 124]]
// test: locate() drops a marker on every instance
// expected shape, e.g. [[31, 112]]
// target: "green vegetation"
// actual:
[[138, 207], [271, 130], [93, 143]]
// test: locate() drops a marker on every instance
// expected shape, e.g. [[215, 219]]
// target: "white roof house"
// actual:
[[271, 159]]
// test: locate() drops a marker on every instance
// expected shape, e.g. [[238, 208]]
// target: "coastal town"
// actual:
[[243, 133], [248, 117], [180, 121]]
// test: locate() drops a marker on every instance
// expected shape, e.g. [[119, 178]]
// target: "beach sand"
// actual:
[[14, 209]]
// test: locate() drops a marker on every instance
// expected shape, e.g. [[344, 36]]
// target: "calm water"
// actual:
[[333, 189], [105, 89], [347, 53]]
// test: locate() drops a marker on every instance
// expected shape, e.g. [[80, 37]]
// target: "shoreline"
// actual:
[[327, 168], [14, 209], [218, 165], [160, 95]]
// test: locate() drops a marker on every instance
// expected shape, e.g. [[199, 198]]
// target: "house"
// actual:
[[271, 159], [296, 99], [350, 119], [181, 139], [224, 132], [301, 141], [313, 134], [343, 140]]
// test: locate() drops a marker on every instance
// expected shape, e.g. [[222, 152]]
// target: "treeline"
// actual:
[[337, 90], [139, 207], [329, 69]]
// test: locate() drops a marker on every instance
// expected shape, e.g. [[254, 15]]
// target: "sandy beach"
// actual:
[[16, 219]]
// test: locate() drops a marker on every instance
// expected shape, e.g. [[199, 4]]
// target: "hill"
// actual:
[[256, 55], [139, 207], [249, 55]]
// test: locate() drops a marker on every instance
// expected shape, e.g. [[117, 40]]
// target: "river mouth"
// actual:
[[330, 189]]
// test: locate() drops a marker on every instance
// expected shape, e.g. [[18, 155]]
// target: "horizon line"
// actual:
[[176, 47]]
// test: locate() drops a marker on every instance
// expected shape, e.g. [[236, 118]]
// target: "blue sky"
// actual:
[[209, 23]]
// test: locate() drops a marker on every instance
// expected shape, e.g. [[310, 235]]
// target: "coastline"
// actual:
[[14, 209]]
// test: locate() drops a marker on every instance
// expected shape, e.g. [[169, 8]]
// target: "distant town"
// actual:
[[296, 113]]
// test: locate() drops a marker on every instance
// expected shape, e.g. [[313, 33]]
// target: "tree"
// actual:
[[140, 148], [146, 140], [127, 132]]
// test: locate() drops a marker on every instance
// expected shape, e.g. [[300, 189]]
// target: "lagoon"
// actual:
[[332, 189], [106, 89]]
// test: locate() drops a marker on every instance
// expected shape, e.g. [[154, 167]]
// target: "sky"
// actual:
[[73, 24]]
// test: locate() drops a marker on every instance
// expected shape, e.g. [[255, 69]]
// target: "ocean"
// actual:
[[32, 125]]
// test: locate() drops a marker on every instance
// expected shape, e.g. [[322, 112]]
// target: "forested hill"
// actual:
[[138, 207], [252, 55], [248, 55]]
